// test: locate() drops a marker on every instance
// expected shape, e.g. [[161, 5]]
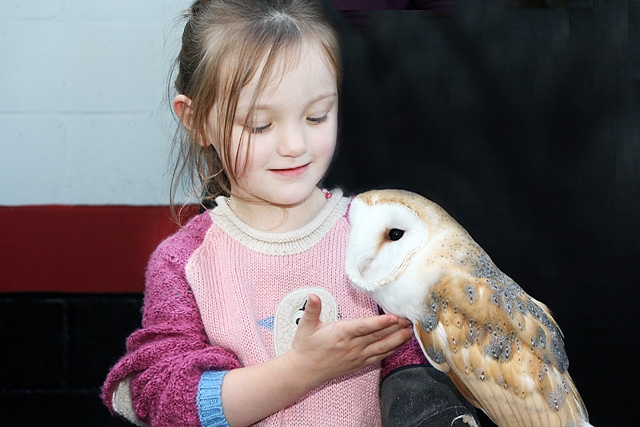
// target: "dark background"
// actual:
[[522, 122]]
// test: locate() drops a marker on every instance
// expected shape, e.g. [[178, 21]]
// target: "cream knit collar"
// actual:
[[291, 242]]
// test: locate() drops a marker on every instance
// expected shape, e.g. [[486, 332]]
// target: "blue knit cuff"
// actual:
[[209, 403]]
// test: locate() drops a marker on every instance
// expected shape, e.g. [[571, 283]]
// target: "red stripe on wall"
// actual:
[[80, 248]]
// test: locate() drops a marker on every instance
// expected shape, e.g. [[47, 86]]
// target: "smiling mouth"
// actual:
[[291, 172]]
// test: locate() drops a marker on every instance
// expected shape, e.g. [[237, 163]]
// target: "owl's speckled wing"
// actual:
[[501, 348]]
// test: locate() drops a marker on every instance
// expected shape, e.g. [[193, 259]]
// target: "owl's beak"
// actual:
[[364, 266]]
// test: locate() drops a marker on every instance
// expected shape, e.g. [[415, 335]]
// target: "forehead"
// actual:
[[304, 70]]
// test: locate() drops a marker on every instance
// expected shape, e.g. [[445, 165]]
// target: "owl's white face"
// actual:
[[383, 240]]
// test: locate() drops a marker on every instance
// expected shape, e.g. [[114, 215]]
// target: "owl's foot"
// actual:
[[466, 420]]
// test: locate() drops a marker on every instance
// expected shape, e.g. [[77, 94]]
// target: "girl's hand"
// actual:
[[319, 353], [323, 351]]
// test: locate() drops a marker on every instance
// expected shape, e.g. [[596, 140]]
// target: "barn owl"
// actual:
[[500, 347]]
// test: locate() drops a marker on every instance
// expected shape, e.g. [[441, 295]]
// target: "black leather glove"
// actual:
[[422, 396]]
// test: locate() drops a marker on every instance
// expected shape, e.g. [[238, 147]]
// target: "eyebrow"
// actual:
[[261, 107]]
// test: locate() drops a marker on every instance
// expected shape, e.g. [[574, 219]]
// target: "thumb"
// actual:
[[312, 309]]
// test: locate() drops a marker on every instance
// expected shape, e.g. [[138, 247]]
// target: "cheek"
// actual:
[[239, 160], [325, 144]]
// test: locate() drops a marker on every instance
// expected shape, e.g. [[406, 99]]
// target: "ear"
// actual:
[[182, 108]]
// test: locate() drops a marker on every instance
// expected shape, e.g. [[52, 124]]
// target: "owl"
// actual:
[[500, 347]]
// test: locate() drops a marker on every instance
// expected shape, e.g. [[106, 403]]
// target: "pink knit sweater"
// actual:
[[216, 298]]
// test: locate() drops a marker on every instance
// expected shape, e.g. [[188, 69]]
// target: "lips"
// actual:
[[291, 172]]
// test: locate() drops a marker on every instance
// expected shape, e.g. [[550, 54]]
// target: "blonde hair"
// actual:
[[224, 43]]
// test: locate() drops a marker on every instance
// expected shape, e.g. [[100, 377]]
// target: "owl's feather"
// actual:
[[500, 346]]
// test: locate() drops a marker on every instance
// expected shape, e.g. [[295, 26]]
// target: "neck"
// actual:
[[274, 218]]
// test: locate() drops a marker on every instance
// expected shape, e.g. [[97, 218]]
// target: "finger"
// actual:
[[391, 336], [312, 310], [376, 326], [380, 349], [384, 333]]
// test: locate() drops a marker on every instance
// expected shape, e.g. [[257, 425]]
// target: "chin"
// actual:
[[290, 200], [294, 195]]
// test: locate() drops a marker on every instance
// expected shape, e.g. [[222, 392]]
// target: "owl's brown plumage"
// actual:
[[500, 346]]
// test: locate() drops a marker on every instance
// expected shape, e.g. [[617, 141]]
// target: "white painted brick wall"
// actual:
[[84, 117]]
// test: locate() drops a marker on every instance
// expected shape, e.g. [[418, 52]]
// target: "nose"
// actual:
[[292, 141]]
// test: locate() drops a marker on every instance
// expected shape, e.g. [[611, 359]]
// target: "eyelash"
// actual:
[[313, 120], [318, 120], [260, 129]]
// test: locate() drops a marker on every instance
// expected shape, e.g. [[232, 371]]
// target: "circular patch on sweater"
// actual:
[[290, 311]]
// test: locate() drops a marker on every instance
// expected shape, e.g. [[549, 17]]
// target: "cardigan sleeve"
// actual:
[[408, 354], [166, 358]]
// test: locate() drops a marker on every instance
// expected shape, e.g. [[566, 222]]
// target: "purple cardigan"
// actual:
[[166, 358]]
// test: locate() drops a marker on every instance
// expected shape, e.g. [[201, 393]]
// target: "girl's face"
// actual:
[[293, 132]]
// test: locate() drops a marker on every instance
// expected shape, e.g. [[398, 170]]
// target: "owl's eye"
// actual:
[[395, 234]]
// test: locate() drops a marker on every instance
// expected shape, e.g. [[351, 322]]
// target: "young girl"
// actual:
[[248, 315]]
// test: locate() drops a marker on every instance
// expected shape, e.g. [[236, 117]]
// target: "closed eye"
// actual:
[[259, 129], [318, 120]]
